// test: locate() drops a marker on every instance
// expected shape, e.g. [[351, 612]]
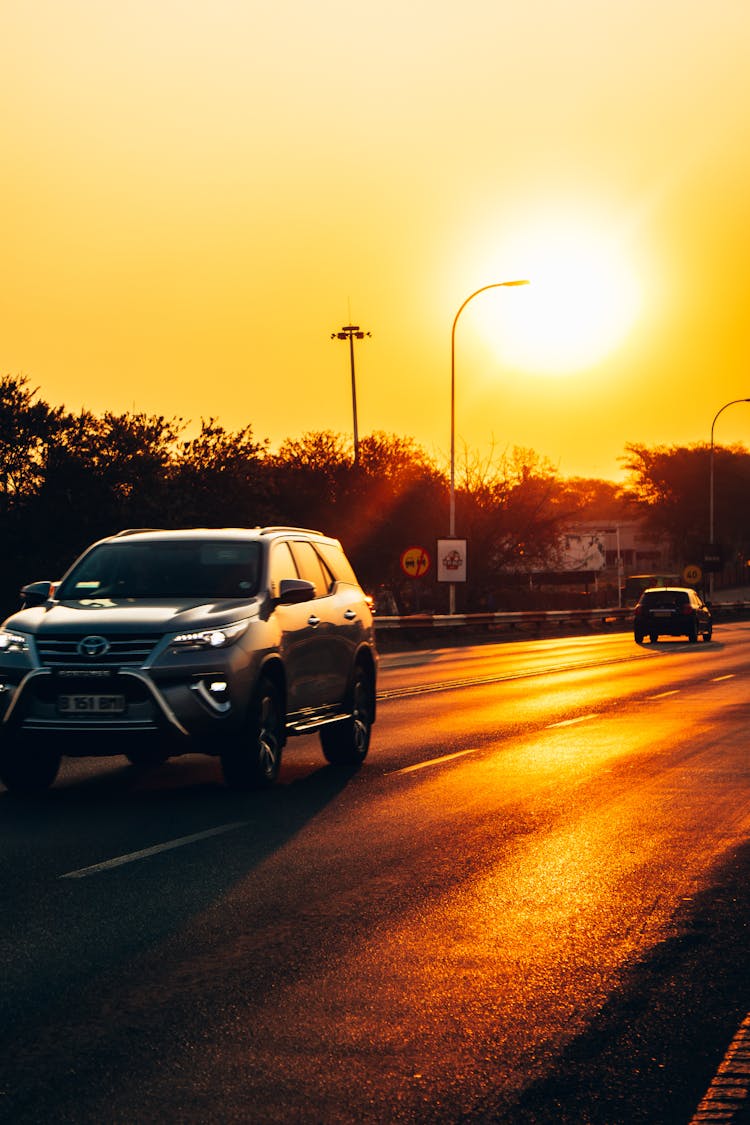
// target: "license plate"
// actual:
[[663, 612], [91, 704]]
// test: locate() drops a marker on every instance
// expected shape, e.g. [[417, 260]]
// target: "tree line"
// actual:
[[67, 479]]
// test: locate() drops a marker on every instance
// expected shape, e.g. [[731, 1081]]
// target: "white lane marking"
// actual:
[[664, 694], [572, 722], [435, 761], [718, 679], [727, 1095], [119, 860]]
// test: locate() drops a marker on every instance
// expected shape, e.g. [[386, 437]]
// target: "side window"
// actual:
[[280, 566], [310, 567], [337, 563], [329, 578]]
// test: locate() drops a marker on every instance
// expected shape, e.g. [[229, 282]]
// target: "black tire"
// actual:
[[708, 634], [693, 634], [346, 743], [638, 638], [253, 759], [28, 766], [653, 637]]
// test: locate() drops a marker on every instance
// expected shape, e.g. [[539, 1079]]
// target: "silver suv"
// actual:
[[158, 643]]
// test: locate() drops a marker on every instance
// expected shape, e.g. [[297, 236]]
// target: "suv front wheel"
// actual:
[[347, 742], [253, 759]]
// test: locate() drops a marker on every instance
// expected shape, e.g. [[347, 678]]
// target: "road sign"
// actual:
[[713, 558], [415, 562], [692, 574], [451, 555]]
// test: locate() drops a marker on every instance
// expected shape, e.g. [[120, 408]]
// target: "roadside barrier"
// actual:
[[458, 627]]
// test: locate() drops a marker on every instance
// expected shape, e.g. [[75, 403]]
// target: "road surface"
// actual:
[[530, 905]]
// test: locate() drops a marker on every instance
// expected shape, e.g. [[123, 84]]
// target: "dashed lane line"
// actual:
[[664, 694], [144, 853], [572, 722], [435, 761]]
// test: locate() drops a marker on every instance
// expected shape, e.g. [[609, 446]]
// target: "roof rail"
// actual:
[[282, 527], [134, 531]]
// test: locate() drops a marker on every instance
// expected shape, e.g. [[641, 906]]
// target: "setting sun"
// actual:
[[582, 302]]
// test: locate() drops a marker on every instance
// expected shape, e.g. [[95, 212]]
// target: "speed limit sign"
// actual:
[[692, 574]]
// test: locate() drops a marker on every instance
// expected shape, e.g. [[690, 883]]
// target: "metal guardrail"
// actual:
[[515, 620], [418, 625]]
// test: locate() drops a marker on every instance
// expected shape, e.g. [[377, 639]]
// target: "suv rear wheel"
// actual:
[[347, 742], [253, 759], [26, 765]]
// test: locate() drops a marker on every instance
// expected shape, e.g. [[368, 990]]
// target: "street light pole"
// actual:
[[452, 517], [352, 332], [711, 482]]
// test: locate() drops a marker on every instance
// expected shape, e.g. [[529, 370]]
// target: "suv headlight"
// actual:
[[220, 637], [11, 641]]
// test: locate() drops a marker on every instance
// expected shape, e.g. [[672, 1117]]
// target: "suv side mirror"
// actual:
[[35, 593], [292, 591]]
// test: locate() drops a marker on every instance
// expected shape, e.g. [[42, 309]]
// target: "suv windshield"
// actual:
[[169, 569]]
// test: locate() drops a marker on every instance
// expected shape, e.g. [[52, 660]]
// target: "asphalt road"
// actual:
[[530, 905]]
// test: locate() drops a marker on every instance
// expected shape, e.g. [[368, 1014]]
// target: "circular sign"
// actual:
[[692, 574], [415, 562]]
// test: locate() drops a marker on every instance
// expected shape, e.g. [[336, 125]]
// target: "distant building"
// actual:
[[595, 545]]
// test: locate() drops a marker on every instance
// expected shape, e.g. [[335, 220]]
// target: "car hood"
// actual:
[[126, 616]]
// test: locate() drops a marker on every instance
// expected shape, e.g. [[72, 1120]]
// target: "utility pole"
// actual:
[[352, 332]]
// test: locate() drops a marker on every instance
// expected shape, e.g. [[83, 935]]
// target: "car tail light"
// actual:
[[686, 608]]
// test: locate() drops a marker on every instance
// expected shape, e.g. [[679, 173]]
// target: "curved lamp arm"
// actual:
[[483, 289]]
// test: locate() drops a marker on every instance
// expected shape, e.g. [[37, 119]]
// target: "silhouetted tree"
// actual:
[[219, 479], [398, 499], [105, 473], [68, 479], [311, 479], [27, 426], [512, 509], [670, 487]]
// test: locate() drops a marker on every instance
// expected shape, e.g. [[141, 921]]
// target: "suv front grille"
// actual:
[[124, 648]]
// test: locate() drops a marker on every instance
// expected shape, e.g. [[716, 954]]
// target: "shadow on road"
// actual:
[[70, 947]]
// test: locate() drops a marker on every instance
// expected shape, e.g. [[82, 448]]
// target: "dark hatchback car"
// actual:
[[674, 611]]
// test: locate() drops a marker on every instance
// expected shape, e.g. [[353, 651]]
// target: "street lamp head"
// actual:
[[506, 283]]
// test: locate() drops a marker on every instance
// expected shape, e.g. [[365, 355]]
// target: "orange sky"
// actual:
[[195, 195]]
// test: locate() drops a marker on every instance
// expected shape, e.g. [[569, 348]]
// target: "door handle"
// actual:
[[349, 614], [313, 621]]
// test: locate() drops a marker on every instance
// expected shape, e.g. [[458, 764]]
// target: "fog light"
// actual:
[[214, 694]]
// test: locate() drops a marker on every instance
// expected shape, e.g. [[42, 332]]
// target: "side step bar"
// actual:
[[307, 726]]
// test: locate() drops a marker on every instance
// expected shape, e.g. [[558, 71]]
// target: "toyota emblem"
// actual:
[[93, 646]]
